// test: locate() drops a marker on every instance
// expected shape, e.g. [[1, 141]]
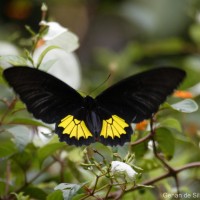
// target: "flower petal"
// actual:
[[65, 65], [118, 167], [60, 36], [54, 30]]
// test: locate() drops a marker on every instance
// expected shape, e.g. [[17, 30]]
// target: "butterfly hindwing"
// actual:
[[73, 130], [115, 130]]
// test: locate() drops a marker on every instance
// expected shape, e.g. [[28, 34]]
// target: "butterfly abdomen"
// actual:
[[92, 117]]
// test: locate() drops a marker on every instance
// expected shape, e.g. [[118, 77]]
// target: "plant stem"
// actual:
[[159, 178], [147, 137], [171, 170]]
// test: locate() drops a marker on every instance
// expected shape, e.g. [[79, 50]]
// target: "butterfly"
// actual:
[[106, 118]]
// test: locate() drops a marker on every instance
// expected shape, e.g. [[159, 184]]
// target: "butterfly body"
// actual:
[[106, 118], [91, 117]]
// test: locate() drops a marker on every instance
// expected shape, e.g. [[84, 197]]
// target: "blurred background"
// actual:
[[114, 34], [121, 37]]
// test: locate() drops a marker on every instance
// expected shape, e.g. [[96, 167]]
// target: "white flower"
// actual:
[[5, 50], [65, 65], [150, 145], [43, 136], [60, 62], [60, 36], [118, 167]]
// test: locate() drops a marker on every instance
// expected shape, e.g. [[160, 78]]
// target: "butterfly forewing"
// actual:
[[136, 98], [48, 98]]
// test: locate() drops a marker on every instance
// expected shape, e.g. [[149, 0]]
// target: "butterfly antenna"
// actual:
[[101, 84]]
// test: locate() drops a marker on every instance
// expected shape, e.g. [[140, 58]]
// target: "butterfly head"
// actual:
[[89, 103]]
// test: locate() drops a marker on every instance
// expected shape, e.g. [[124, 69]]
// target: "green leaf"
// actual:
[[21, 196], [76, 155], [121, 151], [166, 142], [55, 195], [68, 189], [47, 65], [149, 164], [7, 149], [43, 54], [35, 193], [29, 57], [21, 136], [2, 81], [165, 105], [185, 106], [143, 193], [49, 150], [103, 150], [26, 121], [171, 123], [139, 149], [2, 187], [5, 92], [19, 105], [23, 161], [78, 196], [14, 60], [195, 32]]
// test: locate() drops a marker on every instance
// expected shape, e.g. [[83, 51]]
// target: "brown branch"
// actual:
[[168, 174], [171, 171], [147, 137], [188, 166], [10, 105], [157, 155], [115, 195]]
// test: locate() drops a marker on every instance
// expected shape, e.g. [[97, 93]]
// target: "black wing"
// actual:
[[48, 98], [139, 96]]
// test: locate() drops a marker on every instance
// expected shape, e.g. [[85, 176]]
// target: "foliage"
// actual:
[[35, 168]]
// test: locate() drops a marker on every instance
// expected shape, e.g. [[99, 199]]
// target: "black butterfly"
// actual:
[[84, 120]]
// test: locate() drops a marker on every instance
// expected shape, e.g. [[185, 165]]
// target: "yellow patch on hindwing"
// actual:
[[113, 127], [74, 127]]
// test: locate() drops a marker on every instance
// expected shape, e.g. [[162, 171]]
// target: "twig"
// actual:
[[168, 174], [188, 166], [107, 193], [147, 137], [157, 179], [170, 169], [95, 185], [10, 107]]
